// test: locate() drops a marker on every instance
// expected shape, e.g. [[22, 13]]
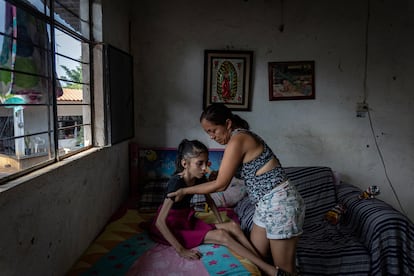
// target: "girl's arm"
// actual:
[[232, 158], [168, 235], [204, 188], [213, 207]]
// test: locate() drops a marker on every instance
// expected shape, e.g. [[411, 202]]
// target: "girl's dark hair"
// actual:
[[188, 149], [218, 113]]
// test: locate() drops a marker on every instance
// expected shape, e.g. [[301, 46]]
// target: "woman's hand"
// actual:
[[189, 254], [177, 195]]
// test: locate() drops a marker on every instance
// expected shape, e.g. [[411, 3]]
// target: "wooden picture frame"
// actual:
[[227, 78], [291, 80]]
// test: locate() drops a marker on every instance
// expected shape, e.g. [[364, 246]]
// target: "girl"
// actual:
[[175, 223], [279, 213]]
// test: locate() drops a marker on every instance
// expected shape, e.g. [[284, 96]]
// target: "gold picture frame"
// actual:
[[227, 78]]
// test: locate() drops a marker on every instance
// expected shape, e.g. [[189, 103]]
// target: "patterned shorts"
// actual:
[[281, 212]]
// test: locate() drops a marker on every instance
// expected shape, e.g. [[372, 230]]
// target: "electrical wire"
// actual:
[[369, 113], [383, 164]]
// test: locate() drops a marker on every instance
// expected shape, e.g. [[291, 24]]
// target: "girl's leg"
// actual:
[[221, 236], [234, 229]]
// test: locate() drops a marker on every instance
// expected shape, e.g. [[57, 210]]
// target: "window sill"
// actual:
[[16, 182]]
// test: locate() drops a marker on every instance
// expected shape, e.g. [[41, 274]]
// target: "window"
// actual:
[[45, 92]]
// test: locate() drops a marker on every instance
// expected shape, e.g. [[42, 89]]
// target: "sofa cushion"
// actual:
[[152, 195], [323, 249], [386, 233], [317, 188]]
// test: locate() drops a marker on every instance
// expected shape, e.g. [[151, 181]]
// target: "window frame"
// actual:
[[53, 131]]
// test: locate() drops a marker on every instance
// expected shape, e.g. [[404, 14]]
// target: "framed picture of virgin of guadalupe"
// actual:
[[227, 78]]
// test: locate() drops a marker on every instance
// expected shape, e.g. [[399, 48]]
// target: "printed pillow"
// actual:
[[227, 198], [233, 194], [152, 195]]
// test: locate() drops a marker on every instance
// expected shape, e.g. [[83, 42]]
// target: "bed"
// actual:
[[124, 248]]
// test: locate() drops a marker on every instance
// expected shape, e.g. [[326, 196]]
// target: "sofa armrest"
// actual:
[[385, 232], [245, 211]]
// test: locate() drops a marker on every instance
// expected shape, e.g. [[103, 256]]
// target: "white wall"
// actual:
[[169, 38], [51, 216]]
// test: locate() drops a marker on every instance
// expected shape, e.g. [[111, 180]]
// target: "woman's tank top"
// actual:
[[259, 185]]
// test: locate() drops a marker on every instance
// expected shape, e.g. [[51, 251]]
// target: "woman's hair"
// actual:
[[218, 113], [188, 149]]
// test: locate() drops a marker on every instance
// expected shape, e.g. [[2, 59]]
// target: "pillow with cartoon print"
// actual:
[[227, 198]]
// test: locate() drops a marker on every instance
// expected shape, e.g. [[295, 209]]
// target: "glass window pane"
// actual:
[[37, 119], [25, 31], [74, 132], [37, 144], [34, 121], [40, 5], [28, 121], [37, 63], [73, 95], [71, 111], [73, 14], [25, 89], [24, 58], [25, 139], [6, 131], [6, 44], [2, 15], [72, 136], [67, 45], [73, 71], [37, 153]]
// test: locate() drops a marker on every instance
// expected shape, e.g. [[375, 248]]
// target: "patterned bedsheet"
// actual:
[[124, 248]]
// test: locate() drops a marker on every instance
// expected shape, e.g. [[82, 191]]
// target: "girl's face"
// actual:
[[196, 167], [219, 133]]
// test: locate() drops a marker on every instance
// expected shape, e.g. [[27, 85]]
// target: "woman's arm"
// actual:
[[168, 235], [232, 158], [204, 188], [213, 207]]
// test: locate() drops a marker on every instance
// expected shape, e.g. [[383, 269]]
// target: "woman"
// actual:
[[175, 223], [279, 213]]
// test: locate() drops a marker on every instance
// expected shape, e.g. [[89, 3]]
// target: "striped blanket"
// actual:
[[372, 238]]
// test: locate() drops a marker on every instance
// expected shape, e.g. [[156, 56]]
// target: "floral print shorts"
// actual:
[[281, 212]]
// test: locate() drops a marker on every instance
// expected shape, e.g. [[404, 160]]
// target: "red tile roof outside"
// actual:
[[72, 95]]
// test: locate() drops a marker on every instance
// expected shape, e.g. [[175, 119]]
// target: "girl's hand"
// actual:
[[177, 195], [189, 254]]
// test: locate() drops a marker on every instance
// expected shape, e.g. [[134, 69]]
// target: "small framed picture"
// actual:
[[227, 78], [291, 80]]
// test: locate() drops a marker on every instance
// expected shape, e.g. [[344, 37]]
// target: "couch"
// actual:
[[370, 238]]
